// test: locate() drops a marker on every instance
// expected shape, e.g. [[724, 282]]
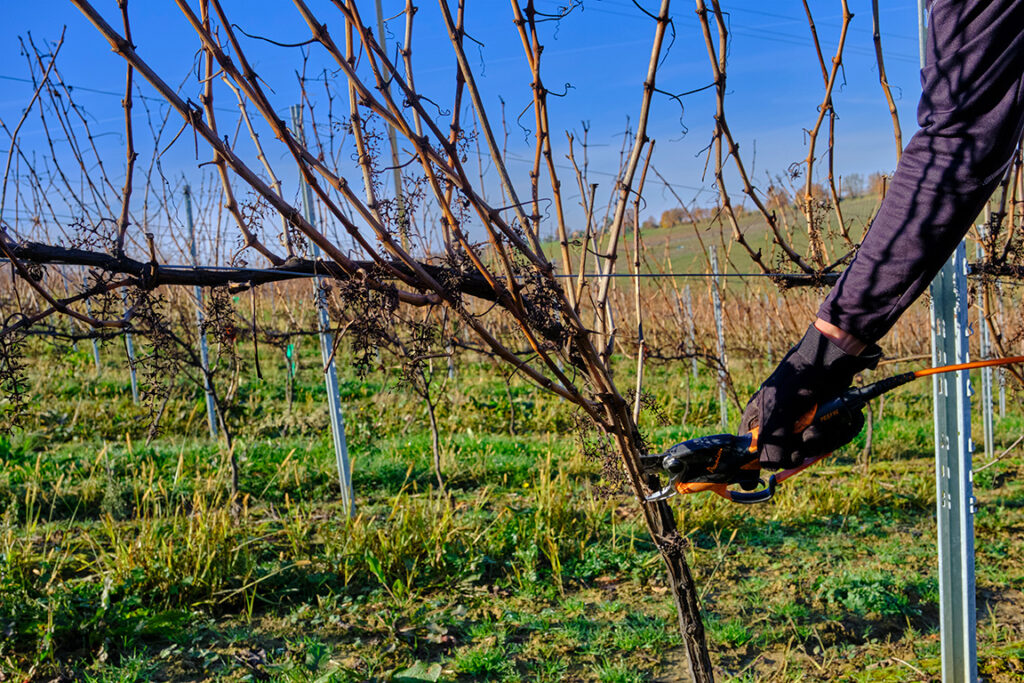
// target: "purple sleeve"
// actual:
[[971, 116]]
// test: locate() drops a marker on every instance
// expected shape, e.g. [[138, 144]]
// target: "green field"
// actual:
[[122, 561], [680, 248]]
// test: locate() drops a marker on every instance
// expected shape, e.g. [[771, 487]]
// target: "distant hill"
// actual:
[[678, 248]]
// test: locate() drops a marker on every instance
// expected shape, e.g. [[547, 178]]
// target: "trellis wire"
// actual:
[[777, 276]]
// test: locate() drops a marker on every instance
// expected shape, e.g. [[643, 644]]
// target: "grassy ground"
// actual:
[[123, 561]]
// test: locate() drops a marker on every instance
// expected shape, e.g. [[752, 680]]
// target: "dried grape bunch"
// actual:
[[13, 382], [219, 317]]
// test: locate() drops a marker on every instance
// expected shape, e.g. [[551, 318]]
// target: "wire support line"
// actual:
[[697, 275], [326, 273], [807, 278], [100, 91], [277, 271]]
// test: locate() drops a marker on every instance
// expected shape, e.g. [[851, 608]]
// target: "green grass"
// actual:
[[122, 561]]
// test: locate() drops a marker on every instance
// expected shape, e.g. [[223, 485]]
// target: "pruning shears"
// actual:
[[720, 461]]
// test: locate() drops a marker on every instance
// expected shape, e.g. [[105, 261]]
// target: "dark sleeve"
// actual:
[[971, 116]]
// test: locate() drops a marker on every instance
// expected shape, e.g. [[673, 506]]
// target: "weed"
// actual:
[[871, 593], [616, 672], [484, 663], [549, 669], [730, 632], [638, 631], [792, 610]]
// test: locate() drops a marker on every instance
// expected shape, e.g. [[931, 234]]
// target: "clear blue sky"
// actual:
[[601, 51]]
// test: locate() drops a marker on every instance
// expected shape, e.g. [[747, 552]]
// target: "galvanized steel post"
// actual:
[[1002, 392], [326, 344], [129, 348], [1002, 371], [985, 351], [70, 321], [955, 501], [769, 351], [691, 328], [95, 344], [396, 164], [723, 361], [204, 350]]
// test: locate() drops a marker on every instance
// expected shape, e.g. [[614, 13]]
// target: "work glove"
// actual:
[[813, 372]]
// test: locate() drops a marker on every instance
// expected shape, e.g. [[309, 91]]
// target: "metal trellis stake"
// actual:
[[716, 297], [95, 343], [396, 165], [326, 343], [955, 501], [1002, 393], [70, 321], [768, 342], [1002, 371], [129, 348], [204, 350], [985, 351], [691, 329]]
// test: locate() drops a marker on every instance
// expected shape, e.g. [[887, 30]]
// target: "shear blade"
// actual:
[[664, 493]]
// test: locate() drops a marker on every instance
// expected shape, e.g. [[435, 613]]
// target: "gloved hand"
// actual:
[[814, 371]]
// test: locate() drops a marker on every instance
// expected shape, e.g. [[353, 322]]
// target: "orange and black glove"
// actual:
[[813, 372]]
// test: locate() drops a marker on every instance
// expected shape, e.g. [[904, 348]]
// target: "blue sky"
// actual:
[[600, 50]]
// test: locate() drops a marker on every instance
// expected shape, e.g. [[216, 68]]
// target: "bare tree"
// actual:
[[559, 334]]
